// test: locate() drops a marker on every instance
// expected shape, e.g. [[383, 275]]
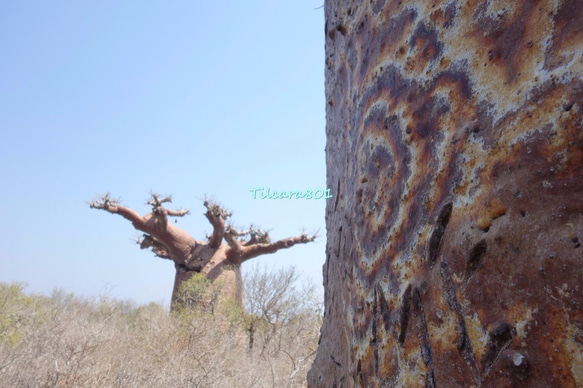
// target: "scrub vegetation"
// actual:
[[63, 340]]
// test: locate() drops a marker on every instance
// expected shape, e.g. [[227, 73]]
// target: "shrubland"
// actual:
[[62, 340]]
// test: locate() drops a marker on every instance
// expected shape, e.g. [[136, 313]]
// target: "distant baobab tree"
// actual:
[[219, 257]]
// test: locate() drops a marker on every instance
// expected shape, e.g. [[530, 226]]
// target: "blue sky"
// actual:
[[188, 98]]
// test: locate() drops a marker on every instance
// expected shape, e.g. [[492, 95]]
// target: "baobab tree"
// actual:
[[455, 148], [219, 257]]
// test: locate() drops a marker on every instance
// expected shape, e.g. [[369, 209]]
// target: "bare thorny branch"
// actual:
[[256, 236], [104, 202], [156, 201]]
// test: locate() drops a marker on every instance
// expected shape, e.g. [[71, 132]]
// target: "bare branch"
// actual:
[[234, 232], [104, 202], [231, 235], [255, 250], [316, 234], [217, 210], [111, 205], [177, 213], [155, 200], [256, 236], [216, 216], [157, 247]]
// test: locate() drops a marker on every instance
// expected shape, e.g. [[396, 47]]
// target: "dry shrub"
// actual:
[[65, 341]]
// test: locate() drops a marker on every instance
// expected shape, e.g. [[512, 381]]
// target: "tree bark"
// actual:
[[455, 144]]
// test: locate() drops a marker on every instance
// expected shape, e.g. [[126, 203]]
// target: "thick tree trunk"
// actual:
[[455, 146], [228, 280]]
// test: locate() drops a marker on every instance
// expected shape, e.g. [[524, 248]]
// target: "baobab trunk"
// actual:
[[455, 146], [219, 258]]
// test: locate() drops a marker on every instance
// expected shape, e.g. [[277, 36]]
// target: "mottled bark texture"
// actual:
[[455, 146], [219, 258]]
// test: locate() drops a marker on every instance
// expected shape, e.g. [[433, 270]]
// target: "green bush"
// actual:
[[18, 312]]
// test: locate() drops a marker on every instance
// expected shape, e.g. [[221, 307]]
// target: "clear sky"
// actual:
[[189, 98]]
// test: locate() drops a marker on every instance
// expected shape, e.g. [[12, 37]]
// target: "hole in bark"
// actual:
[[331, 34], [335, 362], [359, 195], [374, 340], [498, 339], [416, 298], [337, 194], [475, 257], [341, 29], [339, 241], [384, 308], [464, 345], [430, 382], [359, 373], [568, 107], [438, 232], [523, 213], [405, 308], [444, 215]]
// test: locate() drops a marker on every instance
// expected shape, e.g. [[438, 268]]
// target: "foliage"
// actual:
[[66, 341], [17, 311], [196, 292]]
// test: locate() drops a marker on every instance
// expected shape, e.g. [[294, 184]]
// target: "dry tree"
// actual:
[[219, 257]]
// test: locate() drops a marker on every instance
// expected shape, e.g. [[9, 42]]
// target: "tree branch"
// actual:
[[256, 236], [157, 208], [155, 200], [111, 205], [216, 216], [255, 250], [231, 235], [160, 213], [157, 247], [163, 238], [177, 213]]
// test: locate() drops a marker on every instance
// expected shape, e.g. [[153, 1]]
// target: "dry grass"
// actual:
[[65, 341]]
